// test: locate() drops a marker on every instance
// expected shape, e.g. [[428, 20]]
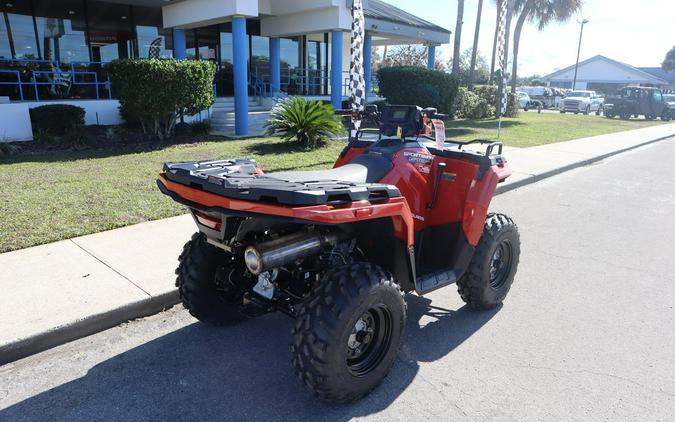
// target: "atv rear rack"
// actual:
[[241, 179]]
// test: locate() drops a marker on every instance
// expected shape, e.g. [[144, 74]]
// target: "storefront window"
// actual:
[[190, 43], [61, 30], [260, 52], [5, 50], [110, 33], [18, 22], [208, 39], [290, 52], [150, 34]]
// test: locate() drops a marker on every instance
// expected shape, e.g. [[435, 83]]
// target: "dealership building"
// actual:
[[55, 50], [605, 75]]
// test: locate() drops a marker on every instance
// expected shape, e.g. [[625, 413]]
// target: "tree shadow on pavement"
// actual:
[[236, 373]]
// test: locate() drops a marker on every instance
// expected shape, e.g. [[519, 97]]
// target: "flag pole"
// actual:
[[357, 84], [503, 50]]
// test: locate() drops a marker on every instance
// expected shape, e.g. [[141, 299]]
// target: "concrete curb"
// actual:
[[532, 178], [96, 323], [87, 326]]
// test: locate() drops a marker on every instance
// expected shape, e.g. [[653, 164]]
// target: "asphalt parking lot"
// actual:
[[586, 333]]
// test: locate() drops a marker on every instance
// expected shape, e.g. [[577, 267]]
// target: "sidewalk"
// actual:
[[65, 290]]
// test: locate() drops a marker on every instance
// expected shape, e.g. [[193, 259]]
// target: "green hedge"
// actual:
[[489, 94], [472, 106], [56, 119], [158, 92], [418, 86]]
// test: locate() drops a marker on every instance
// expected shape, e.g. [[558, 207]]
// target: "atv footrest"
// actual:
[[429, 282]]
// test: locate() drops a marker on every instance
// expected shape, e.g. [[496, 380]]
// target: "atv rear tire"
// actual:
[[204, 273], [490, 274], [348, 332]]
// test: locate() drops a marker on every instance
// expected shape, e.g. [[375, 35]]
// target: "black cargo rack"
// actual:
[[237, 179]]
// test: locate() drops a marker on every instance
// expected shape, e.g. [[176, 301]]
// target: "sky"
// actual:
[[639, 33]]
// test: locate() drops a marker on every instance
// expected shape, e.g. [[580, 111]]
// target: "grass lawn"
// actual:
[[531, 129], [59, 195], [67, 194]]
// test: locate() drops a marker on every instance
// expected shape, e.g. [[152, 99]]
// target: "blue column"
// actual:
[[431, 57], [336, 69], [179, 44], [367, 61], [275, 65], [239, 63]]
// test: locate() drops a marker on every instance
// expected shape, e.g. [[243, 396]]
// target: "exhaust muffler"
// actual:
[[285, 250]]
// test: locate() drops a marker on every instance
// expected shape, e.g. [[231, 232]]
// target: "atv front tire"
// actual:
[[488, 279], [205, 285], [348, 332]]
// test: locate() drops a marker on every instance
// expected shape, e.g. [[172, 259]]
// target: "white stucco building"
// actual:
[[54, 50], [605, 75]]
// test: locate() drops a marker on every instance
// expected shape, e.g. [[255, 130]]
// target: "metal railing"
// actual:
[[302, 81], [55, 77]]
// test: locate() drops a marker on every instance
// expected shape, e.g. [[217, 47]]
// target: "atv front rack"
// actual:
[[241, 179]]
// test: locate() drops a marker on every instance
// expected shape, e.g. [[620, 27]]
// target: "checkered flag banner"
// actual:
[[155, 48], [357, 84], [501, 50]]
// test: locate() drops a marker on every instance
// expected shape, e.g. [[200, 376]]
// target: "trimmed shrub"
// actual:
[[418, 86], [7, 150], [489, 94], [77, 136], [471, 106], [200, 128], [56, 119], [156, 92], [310, 123]]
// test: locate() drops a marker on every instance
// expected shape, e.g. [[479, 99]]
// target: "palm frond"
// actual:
[[309, 123]]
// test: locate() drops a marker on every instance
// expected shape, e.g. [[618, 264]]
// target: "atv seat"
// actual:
[[366, 168]]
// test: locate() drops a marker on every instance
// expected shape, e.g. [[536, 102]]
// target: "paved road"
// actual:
[[587, 333]]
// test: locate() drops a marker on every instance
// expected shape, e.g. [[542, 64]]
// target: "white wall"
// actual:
[[15, 118], [195, 13], [15, 123], [600, 70], [315, 20]]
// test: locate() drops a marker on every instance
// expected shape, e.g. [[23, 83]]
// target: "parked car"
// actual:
[[670, 100], [582, 102], [543, 94], [637, 101], [523, 100]]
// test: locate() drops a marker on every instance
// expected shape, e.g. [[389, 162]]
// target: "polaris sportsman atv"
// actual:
[[336, 249]]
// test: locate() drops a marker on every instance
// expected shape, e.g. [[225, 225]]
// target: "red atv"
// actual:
[[336, 249]]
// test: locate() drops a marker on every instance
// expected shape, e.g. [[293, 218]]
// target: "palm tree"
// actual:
[[472, 67], [458, 37], [541, 12], [494, 43]]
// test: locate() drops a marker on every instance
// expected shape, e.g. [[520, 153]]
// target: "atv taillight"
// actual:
[[208, 221]]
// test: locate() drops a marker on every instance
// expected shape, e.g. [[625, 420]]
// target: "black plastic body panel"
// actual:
[[237, 179]]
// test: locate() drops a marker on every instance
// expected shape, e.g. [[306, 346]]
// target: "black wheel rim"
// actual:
[[500, 264], [369, 340]]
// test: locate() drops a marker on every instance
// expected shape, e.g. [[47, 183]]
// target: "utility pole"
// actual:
[[581, 34]]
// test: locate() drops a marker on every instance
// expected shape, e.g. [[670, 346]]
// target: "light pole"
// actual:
[[581, 34]]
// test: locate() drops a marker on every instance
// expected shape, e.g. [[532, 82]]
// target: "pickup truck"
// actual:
[[582, 102], [638, 101]]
